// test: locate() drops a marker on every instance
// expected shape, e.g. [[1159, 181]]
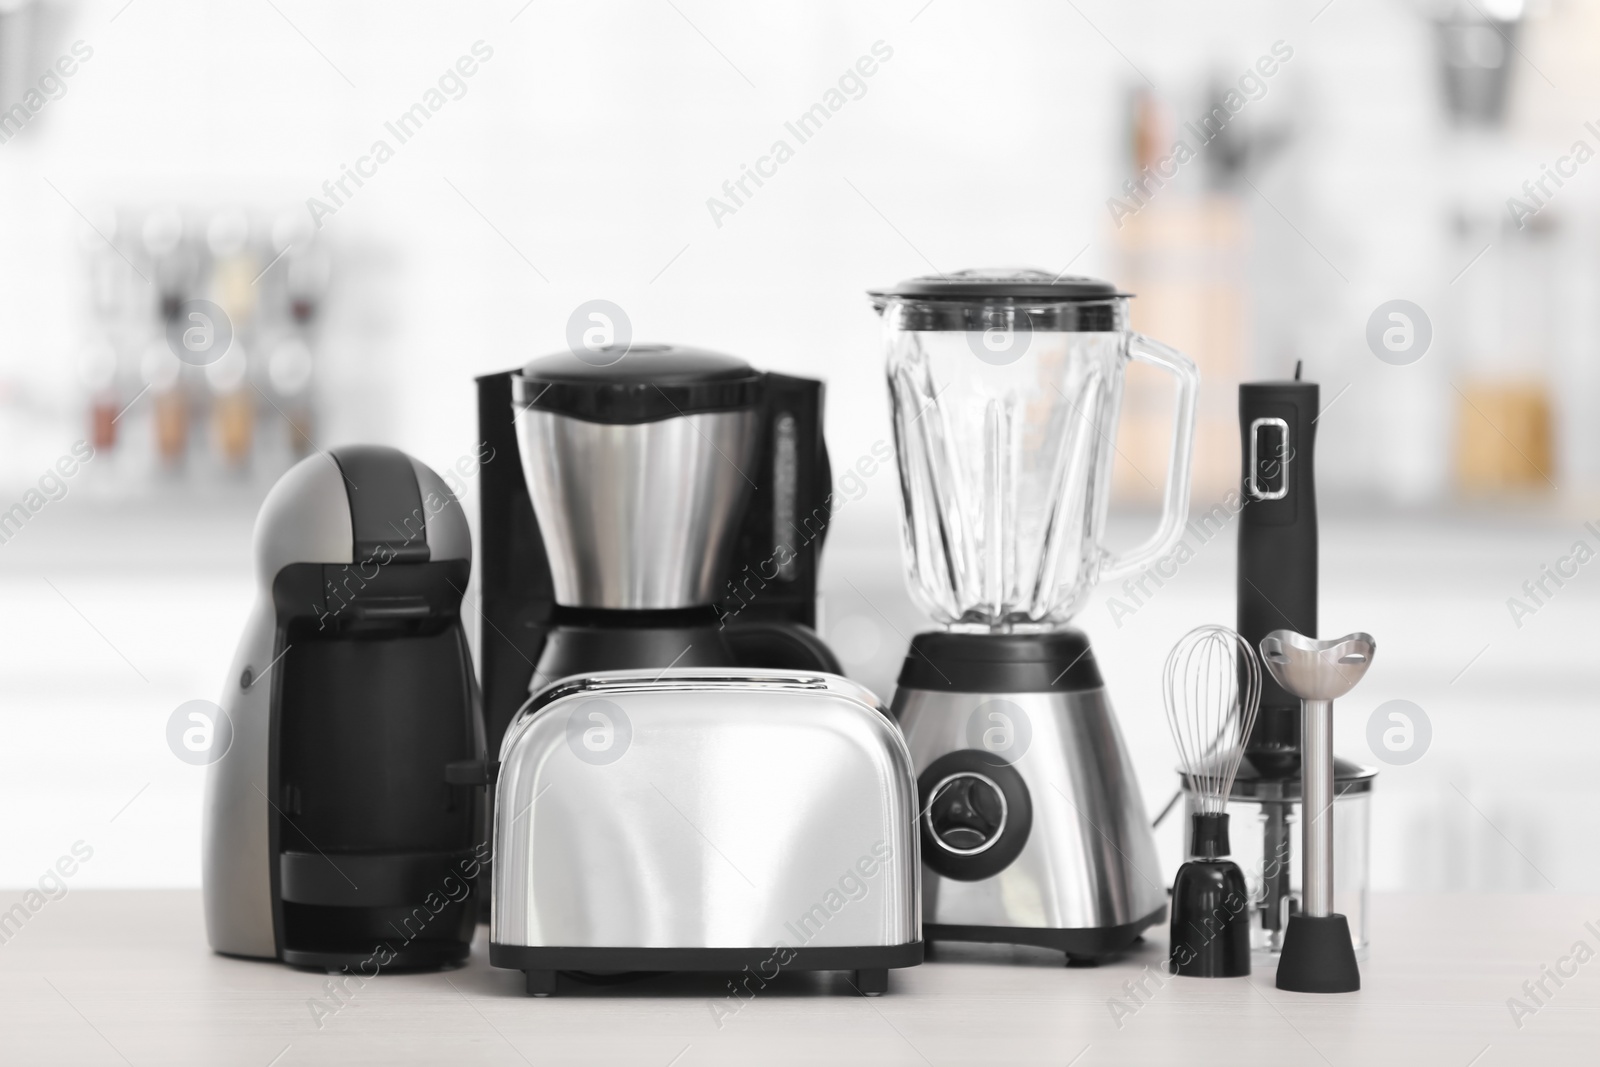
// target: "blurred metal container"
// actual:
[[1475, 47]]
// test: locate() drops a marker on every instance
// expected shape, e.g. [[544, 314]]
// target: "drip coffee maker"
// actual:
[[1006, 387], [644, 508]]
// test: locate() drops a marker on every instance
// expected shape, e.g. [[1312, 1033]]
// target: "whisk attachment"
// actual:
[[1212, 688]]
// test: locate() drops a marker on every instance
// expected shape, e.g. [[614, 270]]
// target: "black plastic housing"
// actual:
[[583, 641], [1318, 956], [542, 966], [1208, 836], [373, 697], [1277, 561], [660, 382], [1012, 836], [1084, 946], [517, 594], [1210, 932], [1056, 661]]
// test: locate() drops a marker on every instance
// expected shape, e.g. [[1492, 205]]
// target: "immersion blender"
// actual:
[[1277, 590], [1318, 955]]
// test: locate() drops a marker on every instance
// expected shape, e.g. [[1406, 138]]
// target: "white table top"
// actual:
[[111, 977]]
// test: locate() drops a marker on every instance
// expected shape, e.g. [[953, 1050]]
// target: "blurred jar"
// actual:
[[290, 369], [232, 407], [97, 371], [162, 374]]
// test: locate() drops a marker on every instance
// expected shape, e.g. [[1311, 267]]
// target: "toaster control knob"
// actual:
[[968, 813]]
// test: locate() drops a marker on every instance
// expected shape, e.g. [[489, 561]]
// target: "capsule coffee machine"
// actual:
[[1006, 387], [345, 823], [652, 507]]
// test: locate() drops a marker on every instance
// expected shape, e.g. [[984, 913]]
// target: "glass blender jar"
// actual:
[[1006, 388]]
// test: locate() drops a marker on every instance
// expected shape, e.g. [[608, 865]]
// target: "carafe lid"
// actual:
[[1009, 283], [640, 383]]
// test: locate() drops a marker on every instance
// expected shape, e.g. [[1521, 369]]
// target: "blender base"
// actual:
[[1032, 827], [1318, 956], [1089, 945]]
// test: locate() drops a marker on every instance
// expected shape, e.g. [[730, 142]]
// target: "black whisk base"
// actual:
[[1210, 920]]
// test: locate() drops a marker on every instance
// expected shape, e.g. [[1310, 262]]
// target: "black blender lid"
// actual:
[[640, 383], [1001, 284], [1023, 300]]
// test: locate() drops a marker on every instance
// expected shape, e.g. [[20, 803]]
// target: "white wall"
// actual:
[[595, 135], [591, 142]]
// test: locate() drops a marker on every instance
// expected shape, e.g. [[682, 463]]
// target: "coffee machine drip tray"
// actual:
[[1032, 828]]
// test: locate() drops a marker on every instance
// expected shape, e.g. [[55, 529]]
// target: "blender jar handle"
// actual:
[[1175, 503]]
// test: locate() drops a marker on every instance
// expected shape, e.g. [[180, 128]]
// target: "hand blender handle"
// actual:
[[1277, 566]]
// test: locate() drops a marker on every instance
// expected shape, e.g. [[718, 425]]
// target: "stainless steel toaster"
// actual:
[[705, 819]]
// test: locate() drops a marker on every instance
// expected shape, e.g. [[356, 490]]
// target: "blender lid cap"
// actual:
[[639, 383], [1001, 284]]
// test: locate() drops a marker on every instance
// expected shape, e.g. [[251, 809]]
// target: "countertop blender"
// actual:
[[1006, 387]]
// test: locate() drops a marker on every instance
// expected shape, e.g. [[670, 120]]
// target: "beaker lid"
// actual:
[[990, 283], [1349, 779]]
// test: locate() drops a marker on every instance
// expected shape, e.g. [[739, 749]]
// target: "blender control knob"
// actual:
[[968, 813]]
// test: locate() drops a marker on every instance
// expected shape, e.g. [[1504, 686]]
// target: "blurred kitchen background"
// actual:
[[205, 151]]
